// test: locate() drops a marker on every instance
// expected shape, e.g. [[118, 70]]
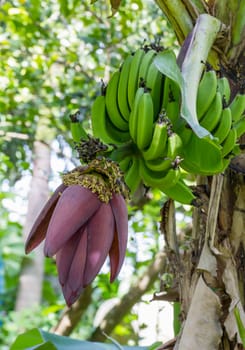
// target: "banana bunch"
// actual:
[[224, 120], [139, 113], [111, 111]]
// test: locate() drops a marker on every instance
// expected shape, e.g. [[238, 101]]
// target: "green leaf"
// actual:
[[27, 340], [45, 346], [65, 343], [240, 325], [49, 341], [166, 63]]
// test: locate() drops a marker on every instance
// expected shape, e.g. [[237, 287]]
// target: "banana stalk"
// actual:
[[178, 16]]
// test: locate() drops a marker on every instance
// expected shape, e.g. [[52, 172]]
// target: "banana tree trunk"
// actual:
[[210, 273], [31, 278]]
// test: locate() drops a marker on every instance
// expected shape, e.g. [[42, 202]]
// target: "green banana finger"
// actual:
[[112, 105], [122, 151], [223, 86], [240, 127], [133, 118], [237, 107], [133, 79], [159, 164], [145, 64], [154, 82], [122, 91], [158, 141], [102, 126], [180, 192], [125, 163], [212, 116], [185, 132], [201, 156], [206, 92], [224, 126], [158, 179], [145, 121], [132, 176], [229, 143], [77, 131], [174, 145], [171, 100]]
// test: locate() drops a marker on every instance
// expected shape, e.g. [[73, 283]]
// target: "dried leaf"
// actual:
[[202, 329]]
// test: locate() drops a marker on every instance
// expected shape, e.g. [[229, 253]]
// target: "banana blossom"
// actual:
[[81, 230]]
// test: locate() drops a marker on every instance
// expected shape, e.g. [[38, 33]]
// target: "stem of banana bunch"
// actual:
[[182, 15]]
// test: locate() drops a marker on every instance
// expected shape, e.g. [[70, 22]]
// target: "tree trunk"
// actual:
[[210, 274], [31, 278]]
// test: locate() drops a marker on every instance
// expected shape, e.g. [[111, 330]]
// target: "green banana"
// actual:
[[180, 192], [212, 116], [154, 82], [224, 126], [144, 66], [132, 176], [171, 100], [159, 164], [122, 151], [237, 107], [185, 132], [133, 118], [102, 126], [133, 79], [158, 141], [125, 163], [240, 127], [158, 179], [206, 92], [122, 91], [201, 156], [229, 143], [77, 131], [223, 86], [112, 105], [145, 121], [174, 145]]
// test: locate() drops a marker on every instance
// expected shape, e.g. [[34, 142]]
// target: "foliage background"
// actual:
[[54, 55]]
